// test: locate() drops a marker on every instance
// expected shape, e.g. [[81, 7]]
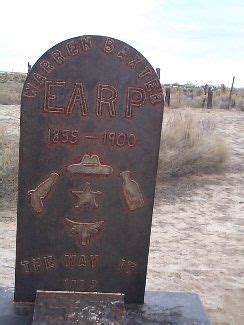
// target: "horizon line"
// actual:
[[175, 83]]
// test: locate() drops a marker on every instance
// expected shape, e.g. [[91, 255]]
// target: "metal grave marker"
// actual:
[[91, 116]]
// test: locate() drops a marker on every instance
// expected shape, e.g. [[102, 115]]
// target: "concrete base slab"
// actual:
[[169, 308]]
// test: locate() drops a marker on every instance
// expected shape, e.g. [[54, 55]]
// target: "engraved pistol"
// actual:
[[38, 194]]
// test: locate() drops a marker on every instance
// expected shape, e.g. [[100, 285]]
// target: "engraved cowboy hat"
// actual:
[[90, 165]]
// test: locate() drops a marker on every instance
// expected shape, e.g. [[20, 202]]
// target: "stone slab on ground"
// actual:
[[176, 308], [66, 307]]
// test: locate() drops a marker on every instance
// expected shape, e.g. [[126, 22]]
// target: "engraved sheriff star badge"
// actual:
[[86, 197]]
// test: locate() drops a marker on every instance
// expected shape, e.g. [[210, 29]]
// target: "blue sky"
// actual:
[[191, 41]]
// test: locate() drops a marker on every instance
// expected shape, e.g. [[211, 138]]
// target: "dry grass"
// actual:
[[192, 97], [11, 85], [189, 144], [222, 102], [8, 164], [10, 92]]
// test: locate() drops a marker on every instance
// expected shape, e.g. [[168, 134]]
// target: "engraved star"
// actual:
[[86, 196]]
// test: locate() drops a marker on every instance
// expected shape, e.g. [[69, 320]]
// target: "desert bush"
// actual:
[[193, 96], [177, 98], [8, 164], [16, 77], [195, 102], [186, 97], [199, 91], [189, 145], [239, 103], [175, 103], [185, 100], [223, 89], [221, 102]]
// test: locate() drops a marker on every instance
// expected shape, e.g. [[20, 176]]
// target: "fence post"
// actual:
[[210, 98], [205, 88], [158, 72], [29, 67], [167, 96], [231, 90]]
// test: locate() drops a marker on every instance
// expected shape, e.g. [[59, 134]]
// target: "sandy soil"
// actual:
[[197, 235], [9, 118]]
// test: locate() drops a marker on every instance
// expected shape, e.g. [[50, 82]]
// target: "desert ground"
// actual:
[[197, 235]]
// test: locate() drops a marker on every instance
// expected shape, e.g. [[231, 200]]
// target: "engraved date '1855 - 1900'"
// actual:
[[58, 136]]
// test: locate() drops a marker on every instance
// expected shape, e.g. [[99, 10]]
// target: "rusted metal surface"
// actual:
[[91, 116], [63, 308]]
